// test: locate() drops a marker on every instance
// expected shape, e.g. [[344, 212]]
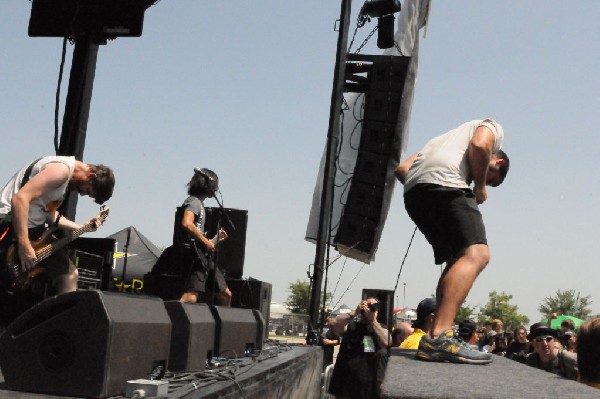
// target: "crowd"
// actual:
[[570, 352]]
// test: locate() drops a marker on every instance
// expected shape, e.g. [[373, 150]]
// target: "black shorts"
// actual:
[[448, 217]]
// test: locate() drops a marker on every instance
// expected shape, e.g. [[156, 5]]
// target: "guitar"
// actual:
[[44, 246]]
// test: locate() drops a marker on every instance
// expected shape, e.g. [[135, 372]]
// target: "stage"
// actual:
[[407, 377], [295, 372]]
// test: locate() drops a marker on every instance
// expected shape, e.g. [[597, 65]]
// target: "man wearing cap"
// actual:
[[425, 315], [439, 199], [548, 353]]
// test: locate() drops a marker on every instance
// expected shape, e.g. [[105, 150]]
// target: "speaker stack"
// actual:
[[236, 332], [252, 294], [85, 343], [230, 258]]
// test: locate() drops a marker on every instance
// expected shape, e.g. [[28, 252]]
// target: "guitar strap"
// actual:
[[6, 222], [27, 174]]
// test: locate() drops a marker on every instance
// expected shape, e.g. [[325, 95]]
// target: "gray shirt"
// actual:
[[445, 159]]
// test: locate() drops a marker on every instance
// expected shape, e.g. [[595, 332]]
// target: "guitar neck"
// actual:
[[52, 247]]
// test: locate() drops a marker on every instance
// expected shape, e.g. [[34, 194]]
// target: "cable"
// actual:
[[404, 260], [57, 100]]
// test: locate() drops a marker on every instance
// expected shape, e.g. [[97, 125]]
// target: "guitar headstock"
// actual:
[[102, 215]]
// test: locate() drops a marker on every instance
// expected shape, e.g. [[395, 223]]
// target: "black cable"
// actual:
[[56, 106], [404, 260]]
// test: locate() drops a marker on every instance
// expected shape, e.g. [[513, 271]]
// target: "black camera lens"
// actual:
[[373, 306]]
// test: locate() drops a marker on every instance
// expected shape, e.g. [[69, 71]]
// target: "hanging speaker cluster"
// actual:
[[381, 79], [98, 18]]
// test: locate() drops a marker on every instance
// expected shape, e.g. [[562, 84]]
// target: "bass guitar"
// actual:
[[18, 279]]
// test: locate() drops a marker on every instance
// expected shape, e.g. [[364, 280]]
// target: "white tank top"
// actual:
[[38, 209]]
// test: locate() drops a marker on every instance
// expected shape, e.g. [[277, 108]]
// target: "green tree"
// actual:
[[299, 299], [498, 307], [567, 303], [465, 312]]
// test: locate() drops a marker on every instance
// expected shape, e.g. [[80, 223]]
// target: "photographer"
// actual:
[[362, 359]]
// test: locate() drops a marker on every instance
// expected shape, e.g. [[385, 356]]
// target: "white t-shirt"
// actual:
[[445, 159], [38, 209]]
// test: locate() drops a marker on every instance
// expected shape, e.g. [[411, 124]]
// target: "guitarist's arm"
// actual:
[[67, 224], [187, 222], [52, 176]]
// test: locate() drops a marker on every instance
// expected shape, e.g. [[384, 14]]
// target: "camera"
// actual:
[[373, 306]]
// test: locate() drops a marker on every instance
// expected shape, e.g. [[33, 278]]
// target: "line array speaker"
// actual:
[[361, 221]]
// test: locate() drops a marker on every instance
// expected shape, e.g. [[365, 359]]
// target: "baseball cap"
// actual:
[[426, 307]]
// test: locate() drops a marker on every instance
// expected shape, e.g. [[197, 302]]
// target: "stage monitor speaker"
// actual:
[[230, 258], [262, 330], [85, 344], [251, 294], [192, 336], [89, 266], [235, 333], [99, 18], [386, 300], [104, 247]]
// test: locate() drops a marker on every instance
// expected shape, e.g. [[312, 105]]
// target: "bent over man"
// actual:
[[439, 199], [29, 202]]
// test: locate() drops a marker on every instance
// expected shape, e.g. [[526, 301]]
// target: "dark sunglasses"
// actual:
[[547, 339]]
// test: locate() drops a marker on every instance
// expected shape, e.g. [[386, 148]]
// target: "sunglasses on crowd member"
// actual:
[[547, 339]]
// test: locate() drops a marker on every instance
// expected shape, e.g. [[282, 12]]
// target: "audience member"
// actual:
[[567, 334], [499, 340], [467, 329], [548, 353], [401, 332], [519, 348], [588, 352], [485, 336], [425, 316], [361, 361], [331, 339]]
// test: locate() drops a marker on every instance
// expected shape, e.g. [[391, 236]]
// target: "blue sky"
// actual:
[[244, 88]]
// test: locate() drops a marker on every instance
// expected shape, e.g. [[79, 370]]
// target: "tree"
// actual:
[[299, 299], [498, 307], [465, 312], [567, 303]]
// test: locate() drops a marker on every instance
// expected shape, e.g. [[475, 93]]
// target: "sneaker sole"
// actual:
[[446, 357]]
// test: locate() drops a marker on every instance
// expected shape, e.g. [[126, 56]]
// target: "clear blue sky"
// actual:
[[244, 87]]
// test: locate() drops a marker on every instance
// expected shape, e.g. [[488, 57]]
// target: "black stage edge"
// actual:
[[407, 377], [293, 374]]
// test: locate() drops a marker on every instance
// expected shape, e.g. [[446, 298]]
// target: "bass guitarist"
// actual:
[[29, 203]]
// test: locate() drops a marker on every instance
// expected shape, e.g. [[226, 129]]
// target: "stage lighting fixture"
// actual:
[[384, 11], [385, 31], [379, 8]]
